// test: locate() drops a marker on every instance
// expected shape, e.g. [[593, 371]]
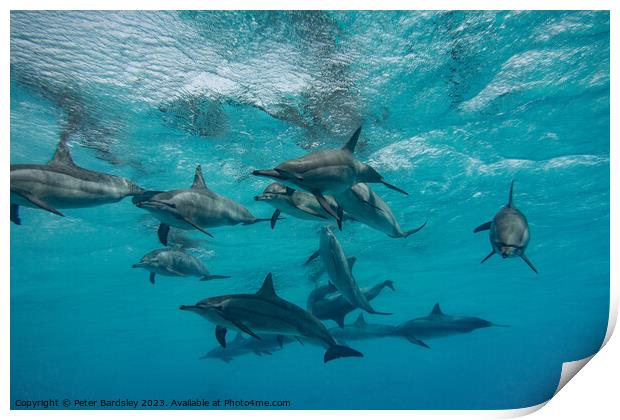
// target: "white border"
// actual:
[[596, 385]]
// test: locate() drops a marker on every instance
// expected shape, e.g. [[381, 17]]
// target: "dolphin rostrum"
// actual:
[[61, 184], [364, 205], [437, 324], [239, 346], [195, 208], [266, 313], [298, 204], [509, 233], [175, 262], [325, 302], [328, 171], [339, 269], [362, 330]]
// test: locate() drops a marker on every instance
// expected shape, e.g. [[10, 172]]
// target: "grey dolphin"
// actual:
[[325, 302], [239, 346], [195, 208], [175, 262], [437, 324], [326, 172], [364, 205], [339, 269], [61, 184], [362, 330], [509, 233], [265, 312], [299, 204]]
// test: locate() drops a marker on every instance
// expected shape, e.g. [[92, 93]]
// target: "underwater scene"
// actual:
[[306, 209]]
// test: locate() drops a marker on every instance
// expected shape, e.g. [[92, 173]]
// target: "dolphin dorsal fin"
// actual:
[[510, 194], [267, 290], [350, 145], [436, 310], [62, 155], [360, 321], [199, 181]]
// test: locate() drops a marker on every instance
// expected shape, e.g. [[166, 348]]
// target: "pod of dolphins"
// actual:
[[320, 186]]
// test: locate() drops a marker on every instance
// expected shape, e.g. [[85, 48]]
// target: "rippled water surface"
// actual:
[[453, 105]]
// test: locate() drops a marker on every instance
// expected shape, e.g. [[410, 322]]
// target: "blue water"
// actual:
[[454, 105]]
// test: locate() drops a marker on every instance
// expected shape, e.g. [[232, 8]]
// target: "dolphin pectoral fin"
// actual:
[[162, 233], [390, 284], [340, 214], [393, 187], [528, 262], [488, 256], [339, 319], [220, 335], [379, 313], [280, 339], [152, 278], [213, 277], [313, 257], [274, 218], [323, 202], [15, 214], [414, 340], [245, 329], [484, 226], [415, 230], [35, 200], [338, 351], [268, 353]]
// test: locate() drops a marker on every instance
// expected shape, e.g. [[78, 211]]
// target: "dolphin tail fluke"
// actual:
[[393, 187], [35, 200], [390, 284], [213, 277], [484, 226], [510, 195], [528, 262], [162, 233], [414, 340], [274, 218], [336, 214], [415, 230], [337, 351], [15, 214], [488, 256]]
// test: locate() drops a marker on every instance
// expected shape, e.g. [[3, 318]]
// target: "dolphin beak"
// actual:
[[269, 173], [138, 265]]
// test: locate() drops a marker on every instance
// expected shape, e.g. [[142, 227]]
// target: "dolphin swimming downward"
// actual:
[[61, 184], [364, 205], [195, 208], [175, 262], [509, 233], [339, 268], [328, 171], [265, 312]]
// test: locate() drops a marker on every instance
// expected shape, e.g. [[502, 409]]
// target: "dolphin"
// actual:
[[509, 233], [339, 269], [266, 313], [361, 330], [195, 208], [61, 184], [328, 171], [437, 324], [364, 205], [325, 302], [299, 204], [268, 344], [174, 262]]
